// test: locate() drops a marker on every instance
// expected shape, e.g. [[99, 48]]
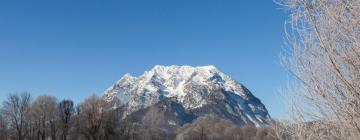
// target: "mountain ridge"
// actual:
[[202, 90]]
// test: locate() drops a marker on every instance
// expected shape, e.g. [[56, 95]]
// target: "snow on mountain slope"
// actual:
[[202, 90]]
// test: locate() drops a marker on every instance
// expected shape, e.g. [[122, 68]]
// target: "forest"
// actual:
[[46, 118]]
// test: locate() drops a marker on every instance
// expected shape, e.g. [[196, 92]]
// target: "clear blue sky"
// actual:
[[72, 48]]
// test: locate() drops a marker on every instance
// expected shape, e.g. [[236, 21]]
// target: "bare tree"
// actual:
[[93, 114], [113, 124], [324, 59], [16, 109], [44, 112], [3, 128], [66, 111]]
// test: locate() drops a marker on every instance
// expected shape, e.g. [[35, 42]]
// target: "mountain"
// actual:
[[180, 94]]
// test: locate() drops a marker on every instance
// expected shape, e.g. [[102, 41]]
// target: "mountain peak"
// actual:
[[127, 76], [195, 88], [182, 70], [208, 67], [174, 74]]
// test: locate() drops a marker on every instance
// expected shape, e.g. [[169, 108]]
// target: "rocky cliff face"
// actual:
[[183, 93]]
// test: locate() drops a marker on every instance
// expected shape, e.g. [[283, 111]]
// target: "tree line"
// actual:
[[47, 118]]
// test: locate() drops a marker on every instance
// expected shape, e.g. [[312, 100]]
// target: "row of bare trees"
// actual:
[[212, 128], [45, 118]]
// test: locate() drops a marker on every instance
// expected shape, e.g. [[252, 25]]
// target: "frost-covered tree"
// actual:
[[324, 58]]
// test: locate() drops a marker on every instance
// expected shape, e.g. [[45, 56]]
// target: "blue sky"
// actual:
[[72, 48]]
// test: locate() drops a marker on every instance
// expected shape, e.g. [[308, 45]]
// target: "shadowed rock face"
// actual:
[[179, 94]]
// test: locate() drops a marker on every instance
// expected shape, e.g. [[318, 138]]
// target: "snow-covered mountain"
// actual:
[[197, 91]]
